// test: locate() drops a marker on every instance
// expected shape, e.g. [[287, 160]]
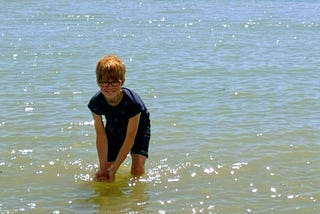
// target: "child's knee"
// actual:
[[138, 162], [137, 171]]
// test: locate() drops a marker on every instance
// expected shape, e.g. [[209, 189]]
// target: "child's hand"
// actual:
[[102, 175], [111, 174], [106, 175]]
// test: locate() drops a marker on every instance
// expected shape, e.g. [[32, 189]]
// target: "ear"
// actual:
[[122, 82]]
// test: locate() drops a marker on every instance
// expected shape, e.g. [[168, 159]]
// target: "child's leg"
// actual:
[[137, 166]]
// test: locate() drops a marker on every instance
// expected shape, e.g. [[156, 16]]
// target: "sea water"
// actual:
[[232, 87]]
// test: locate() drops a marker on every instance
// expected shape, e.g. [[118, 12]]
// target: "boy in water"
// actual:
[[127, 127]]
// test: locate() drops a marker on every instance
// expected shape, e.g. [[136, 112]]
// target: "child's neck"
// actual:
[[116, 100]]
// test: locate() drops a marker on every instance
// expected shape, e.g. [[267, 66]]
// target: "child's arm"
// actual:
[[101, 141], [132, 129]]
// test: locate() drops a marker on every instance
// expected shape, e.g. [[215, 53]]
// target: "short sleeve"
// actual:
[[95, 104], [135, 104]]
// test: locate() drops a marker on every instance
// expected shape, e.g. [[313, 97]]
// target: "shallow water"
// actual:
[[232, 88]]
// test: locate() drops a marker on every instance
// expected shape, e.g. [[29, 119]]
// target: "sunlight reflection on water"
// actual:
[[232, 88]]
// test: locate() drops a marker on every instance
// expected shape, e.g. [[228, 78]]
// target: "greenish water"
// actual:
[[232, 87]]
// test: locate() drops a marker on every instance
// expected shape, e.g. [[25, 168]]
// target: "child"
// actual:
[[127, 125]]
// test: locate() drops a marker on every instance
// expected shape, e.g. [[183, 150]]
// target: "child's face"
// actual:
[[110, 88]]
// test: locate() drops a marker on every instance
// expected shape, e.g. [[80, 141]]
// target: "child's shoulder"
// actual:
[[130, 92], [127, 90], [97, 97], [96, 103], [133, 96]]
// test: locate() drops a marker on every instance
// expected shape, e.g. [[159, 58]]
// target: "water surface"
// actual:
[[232, 88]]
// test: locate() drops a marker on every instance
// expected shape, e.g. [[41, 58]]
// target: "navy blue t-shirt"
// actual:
[[117, 117]]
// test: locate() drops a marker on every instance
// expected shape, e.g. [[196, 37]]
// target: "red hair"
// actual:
[[110, 68]]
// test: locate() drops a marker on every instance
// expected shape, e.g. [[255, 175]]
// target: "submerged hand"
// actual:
[[101, 175], [105, 175], [111, 174]]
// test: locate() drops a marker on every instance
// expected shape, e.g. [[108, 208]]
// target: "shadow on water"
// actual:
[[126, 194]]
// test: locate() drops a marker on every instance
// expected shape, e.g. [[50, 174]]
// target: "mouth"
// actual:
[[109, 91]]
